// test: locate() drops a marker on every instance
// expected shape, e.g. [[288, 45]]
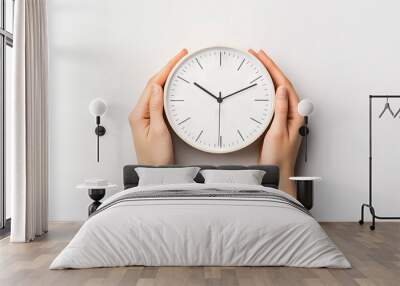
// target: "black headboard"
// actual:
[[271, 177]]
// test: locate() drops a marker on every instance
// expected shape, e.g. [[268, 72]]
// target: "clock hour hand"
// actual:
[[205, 90], [240, 90]]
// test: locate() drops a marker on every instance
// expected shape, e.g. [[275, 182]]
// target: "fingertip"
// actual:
[[254, 53], [251, 51], [261, 51], [181, 54], [264, 55], [162, 75]]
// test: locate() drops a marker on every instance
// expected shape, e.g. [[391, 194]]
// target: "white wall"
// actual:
[[335, 52]]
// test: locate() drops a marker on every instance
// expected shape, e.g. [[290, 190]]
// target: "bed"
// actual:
[[201, 224]]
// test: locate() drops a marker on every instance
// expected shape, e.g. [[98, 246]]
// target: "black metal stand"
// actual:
[[370, 205], [96, 195]]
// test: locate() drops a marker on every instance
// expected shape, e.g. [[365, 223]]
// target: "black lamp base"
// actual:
[[100, 130], [304, 130]]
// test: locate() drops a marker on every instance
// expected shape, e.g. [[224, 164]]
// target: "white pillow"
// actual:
[[163, 176], [248, 177]]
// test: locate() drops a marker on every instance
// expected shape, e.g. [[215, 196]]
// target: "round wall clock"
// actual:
[[219, 99]]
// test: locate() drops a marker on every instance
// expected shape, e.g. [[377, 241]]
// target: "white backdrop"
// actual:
[[335, 53]]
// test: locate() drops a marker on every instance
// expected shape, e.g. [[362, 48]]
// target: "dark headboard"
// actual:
[[271, 177]]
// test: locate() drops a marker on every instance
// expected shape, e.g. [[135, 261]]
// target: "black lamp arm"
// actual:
[[304, 131], [99, 131]]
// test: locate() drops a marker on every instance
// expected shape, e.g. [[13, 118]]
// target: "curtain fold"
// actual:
[[28, 160]]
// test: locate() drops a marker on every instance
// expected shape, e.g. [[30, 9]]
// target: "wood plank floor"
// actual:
[[375, 257]]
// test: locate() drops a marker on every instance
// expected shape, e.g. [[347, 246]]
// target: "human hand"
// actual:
[[282, 140], [151, 137]]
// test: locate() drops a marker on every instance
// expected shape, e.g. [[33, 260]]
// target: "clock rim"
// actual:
[[205, 149]]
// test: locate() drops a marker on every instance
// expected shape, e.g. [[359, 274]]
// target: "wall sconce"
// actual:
[[97, 108], [305, 108]]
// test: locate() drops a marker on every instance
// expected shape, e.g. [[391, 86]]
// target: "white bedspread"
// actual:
[[200, 231]]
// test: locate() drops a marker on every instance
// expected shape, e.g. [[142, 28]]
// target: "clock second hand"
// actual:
[[219, 119]]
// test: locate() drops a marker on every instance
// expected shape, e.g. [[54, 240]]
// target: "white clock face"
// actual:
[[219, 100]]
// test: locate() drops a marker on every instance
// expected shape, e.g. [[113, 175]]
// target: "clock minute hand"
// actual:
[[205, 90], [240, 90]]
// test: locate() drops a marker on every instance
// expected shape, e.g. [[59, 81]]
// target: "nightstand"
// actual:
[[96, 193], [305, 192]]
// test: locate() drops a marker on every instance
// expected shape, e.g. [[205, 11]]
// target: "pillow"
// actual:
[[248, 177], [163, 176]]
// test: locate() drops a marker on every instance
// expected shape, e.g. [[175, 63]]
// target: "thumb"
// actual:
[[156, 104], [279, 123]]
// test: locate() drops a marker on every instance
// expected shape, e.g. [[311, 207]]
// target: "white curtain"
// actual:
[[27, 159]]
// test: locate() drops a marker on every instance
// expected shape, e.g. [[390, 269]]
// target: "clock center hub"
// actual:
[[219, 99]]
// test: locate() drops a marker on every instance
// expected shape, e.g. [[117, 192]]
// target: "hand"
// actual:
[[282, 141], [150, 134]]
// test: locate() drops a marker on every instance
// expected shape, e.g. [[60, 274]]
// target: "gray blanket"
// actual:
[[211, 193]]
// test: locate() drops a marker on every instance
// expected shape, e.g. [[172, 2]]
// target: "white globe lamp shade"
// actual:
[[305, 107], [97, 107]]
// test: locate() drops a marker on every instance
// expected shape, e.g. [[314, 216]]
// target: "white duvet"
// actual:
[[200, 231]]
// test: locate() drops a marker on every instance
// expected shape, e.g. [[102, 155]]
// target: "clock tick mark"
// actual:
[[261, 99], [240, 65], [198, 136], [183, 79], [183, 121], [240, 134], [255, 120], [199, 63], [176, 100], [220, 58], [255, 79]]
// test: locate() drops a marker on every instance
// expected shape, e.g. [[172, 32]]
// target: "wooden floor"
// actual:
[[375, 257]]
